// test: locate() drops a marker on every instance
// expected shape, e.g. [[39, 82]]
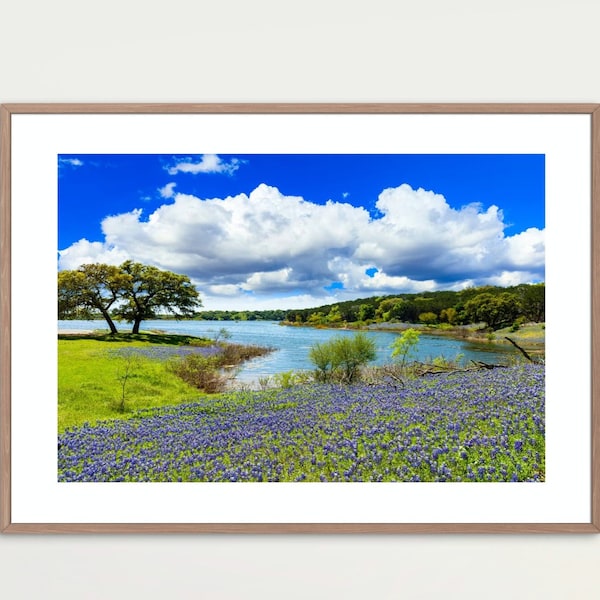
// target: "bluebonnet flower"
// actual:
[[477, 426]]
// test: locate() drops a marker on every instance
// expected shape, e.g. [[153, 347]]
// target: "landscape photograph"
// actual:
[[301, 318]]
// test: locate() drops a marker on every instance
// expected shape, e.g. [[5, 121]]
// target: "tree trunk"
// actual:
[[111, 325], [519, 348], [136, 326]]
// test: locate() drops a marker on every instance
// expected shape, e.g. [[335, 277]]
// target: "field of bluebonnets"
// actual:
[[475, 426]]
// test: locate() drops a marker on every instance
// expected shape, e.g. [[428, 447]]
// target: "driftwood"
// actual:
[[431, 369], [519, 348], [483, 365], [420, 369]]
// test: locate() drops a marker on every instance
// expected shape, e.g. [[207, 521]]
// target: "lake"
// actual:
[[293, 343]]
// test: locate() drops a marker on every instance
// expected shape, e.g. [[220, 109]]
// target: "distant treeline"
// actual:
[[244, 315], [205, 315], [497, 307]]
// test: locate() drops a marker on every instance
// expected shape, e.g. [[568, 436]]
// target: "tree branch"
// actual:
[[519, 348]]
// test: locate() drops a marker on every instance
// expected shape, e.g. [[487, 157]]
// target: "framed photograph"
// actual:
[[299, 318]]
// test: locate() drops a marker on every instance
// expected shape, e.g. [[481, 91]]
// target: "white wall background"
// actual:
[[314, 50]]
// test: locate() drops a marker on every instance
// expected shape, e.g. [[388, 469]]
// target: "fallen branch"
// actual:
[[483, 365], [519, 348], [478, 365]]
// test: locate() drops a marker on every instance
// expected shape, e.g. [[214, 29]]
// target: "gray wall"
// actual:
[[314, 50]]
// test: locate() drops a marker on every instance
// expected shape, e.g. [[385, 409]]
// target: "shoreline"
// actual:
[[530, 336], [464, 333], [75, 331]]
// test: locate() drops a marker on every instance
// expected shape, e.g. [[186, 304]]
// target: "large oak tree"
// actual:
[[148, 291], [92, 287], [132, 292], [496, 311]]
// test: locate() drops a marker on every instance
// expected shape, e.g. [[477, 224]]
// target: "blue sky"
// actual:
[[265, 231]]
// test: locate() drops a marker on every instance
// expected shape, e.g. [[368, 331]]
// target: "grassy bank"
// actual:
[[103, 376]]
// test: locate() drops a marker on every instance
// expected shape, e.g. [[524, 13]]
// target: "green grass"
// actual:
[[89, 388], [530, 333], [151, 337]]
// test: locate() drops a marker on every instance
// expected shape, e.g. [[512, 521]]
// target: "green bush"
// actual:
[[288, 379], [428, 318], [201, 372], [404, 344], [341, 358]]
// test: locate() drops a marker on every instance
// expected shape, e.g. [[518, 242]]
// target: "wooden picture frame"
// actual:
[[10, 473]]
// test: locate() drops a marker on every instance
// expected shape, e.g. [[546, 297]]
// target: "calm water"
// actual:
[[292, 343]]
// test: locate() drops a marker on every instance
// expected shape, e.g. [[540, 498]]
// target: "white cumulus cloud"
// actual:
[[208, 163], [167, 191], [70, 162], [86, 252], [251, 247]]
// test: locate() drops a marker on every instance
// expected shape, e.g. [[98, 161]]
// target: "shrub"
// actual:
[[321, 356], [201, 372], [429, 318], [288, 379], [264, 382], [234, 354], [212, 373], [222, 334], [127, 370], [404, 345], [341, 358]]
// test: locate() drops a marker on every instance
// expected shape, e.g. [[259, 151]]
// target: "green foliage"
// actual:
[[285, 379], [334, 315], [448, 364], [517, 324], [249, 315], [132, 291], [288, 379], [213, 374], [404, 345], [429, 318], [90, 287], [366, 312], [148, 290], [263, 382], [496, 311], [316, 318], [200, 372], [389, 309], [449, 315], [341, 358], [528, 300], [532, 299], [321, 355]]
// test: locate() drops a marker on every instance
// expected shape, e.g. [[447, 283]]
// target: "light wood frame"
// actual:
[[6, 524]]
